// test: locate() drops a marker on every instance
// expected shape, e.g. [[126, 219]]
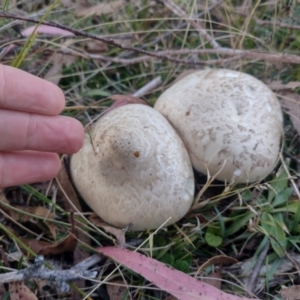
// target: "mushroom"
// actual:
[[134, 170], [230, 122]]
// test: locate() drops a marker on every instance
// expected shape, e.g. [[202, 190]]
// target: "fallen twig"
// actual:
[[153, 84], [136, 60], [58, 278], [163, 55], [272, 57]]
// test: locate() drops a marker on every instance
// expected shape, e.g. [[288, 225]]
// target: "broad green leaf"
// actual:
[[238, 223], [291, 206], [247, 195], [280, 221], [182, 265], [295, 241], [277, 235], [221, 223], [262, 200], [160, 253], [213, 240], [296, 220], [168, 259], [277, 185], [282, 197]]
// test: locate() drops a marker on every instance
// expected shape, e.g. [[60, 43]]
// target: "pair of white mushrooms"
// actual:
[[135, 168]]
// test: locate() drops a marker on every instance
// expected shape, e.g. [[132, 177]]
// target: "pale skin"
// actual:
[[31, 131]]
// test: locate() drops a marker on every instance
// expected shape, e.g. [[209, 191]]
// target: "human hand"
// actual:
[[31, 132]]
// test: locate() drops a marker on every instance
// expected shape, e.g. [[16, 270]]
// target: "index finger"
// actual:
[[22, 91]]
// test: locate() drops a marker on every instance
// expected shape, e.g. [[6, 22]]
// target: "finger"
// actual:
[[24, 131], [27, 167], [22, 91]]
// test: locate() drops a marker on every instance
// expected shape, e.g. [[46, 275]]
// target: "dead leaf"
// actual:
[[96, 220], [290, 293], [6, 50], [80, 4], [67, 3], [200, 216], [218, 260], [3, 197], [59, 60], [38, 246], [69, 197], [172, 281], [18, 290], [214, 279], [43, 212], [94, 46], [290, 103], [116, 290], [100, 9], [67, 191], [68, 244], [39, 211], [118, 233], [2, 291]]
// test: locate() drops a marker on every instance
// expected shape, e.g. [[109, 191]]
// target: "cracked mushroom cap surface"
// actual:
[[230, 122], [134, 169]]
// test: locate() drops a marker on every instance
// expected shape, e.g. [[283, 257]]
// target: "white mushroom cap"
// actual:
[[230, 122], [134, 169]]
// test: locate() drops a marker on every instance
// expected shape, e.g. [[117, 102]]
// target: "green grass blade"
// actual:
[[5, 5], [29, 42]]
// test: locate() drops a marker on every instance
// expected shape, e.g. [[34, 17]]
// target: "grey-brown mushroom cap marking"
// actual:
[[134, 169], [230, 122]]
